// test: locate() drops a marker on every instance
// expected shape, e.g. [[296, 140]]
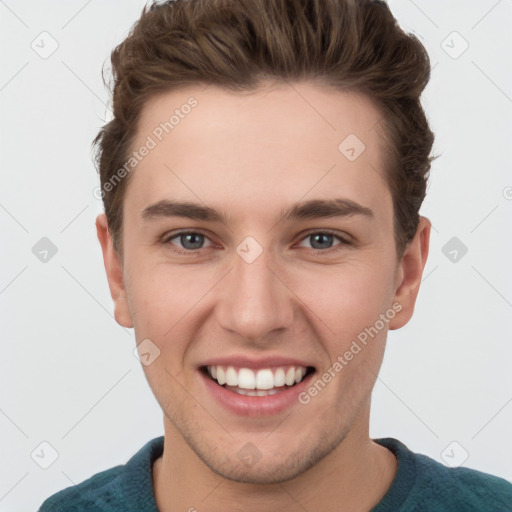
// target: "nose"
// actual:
[[255, 302]]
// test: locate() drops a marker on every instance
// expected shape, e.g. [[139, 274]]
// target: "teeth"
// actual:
[[221, 376], [231, 376], [299, 373], [262, 380], [279, 378], [290, 376], [246, 379], [253, 392]]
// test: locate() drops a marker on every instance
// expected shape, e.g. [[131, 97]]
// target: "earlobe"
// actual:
[[114, 271], [410, 272]]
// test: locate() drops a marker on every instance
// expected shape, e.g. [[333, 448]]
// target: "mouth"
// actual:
[[257, 382]]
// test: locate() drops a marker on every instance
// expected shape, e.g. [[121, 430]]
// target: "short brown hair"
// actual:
[[236, 44]]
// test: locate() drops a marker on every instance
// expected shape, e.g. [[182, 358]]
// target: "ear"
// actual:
[[409, 273], [114, 270]]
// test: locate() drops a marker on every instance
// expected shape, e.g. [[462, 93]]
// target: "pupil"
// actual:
[[321, 236], [187, 237]]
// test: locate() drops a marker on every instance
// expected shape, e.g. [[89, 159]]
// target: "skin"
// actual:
[[250, 155]]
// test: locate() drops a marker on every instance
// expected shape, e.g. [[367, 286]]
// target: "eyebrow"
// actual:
[[312, 209]]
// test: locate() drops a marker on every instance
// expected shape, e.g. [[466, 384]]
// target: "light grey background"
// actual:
[[68, 376]]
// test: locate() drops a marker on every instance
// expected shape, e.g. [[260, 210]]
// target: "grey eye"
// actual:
[[320, 240]]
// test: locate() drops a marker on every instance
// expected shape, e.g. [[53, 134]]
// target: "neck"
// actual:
[[353, 477]]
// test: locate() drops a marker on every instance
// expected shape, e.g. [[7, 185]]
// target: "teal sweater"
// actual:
[[421, 484]]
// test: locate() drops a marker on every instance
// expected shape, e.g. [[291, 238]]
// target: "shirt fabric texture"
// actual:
[[420, 485]]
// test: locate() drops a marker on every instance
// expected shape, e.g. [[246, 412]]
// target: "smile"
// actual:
[[256, 391], [262, 382]]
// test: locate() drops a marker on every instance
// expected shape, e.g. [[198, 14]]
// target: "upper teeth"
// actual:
[[265, 378]]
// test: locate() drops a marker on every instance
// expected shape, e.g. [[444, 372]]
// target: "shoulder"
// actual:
[[434, 486], [128, 486], [96, 493], [469, 489], [484, 489]]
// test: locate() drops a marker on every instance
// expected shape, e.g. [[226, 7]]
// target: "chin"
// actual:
[[250, 465]]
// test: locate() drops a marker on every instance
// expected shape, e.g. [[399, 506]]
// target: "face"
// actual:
[[255, 238]]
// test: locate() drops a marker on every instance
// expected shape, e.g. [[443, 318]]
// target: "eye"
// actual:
[[190, 241], [323, 240]]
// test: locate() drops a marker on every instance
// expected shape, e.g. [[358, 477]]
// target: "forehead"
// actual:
[[276, 144]]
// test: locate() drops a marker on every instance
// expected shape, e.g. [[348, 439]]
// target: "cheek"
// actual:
[[169, 305], [150, 303], [169, 301], [162, 294], [348, 297]]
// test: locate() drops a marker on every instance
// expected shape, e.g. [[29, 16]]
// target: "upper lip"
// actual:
[[241, 361]]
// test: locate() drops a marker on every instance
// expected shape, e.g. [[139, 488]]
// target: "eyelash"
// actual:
[[344, 242]]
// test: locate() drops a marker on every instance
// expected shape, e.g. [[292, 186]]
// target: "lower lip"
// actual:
[[252, 406]]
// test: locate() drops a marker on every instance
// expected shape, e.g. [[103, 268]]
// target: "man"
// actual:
[[262, 179]]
